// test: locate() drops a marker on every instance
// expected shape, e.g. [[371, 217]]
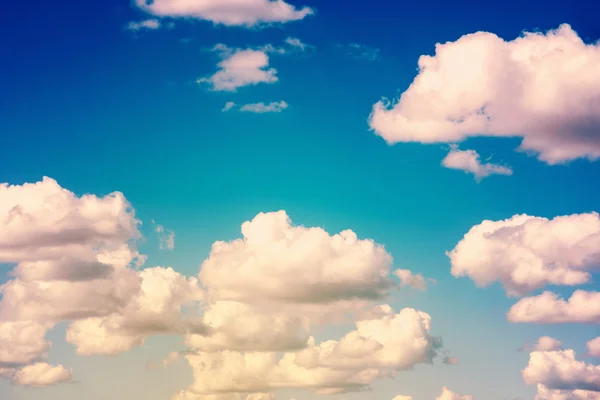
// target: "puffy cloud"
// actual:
[[156, 308], [414, 281], [549, 394], [227, 12], [593, 347], [546, 343], [241, 68], [447, 394], [145, 24], [525, 253], [275, 106], [541, 87], [400, 397], [280, 262], [468, 161], [228, 106], [377, 348], [549, 308], [22, 342], [559, 370], [240, 327], [41, 374]]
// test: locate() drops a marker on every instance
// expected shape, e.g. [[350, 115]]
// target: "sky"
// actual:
[[298, 200]]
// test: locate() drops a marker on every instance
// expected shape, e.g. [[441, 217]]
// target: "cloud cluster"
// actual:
[[447, 394], [227, 12], [149, 24], [549, 308], [525, 253], [469, 162], [544, 88]]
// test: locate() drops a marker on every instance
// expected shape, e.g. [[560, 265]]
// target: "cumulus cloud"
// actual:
[[22, 342], [546, 343], [149, 24], [543, 393], [549, 308], [469, 162], [240, 68], [400, 397], [414, 281], [41, 374], [375, 349], [227, 12], [447, 394], [525, 253], [544, 88], [276, 260], [559, 370], [593, 347]]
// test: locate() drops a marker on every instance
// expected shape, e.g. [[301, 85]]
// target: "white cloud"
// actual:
[[241, 68], [468, 161], [278, 261], [541, 87], [549, 308], [559, 370], [376, 349], [593, 347], [227, 12], [447, 394], [149, 24], [275, 106], [551, 394], [546, 343], [414, 281], [296, 43], [228, 106], [525, 253], [166, 237], [22, 342], [400, 397], [41, 374]]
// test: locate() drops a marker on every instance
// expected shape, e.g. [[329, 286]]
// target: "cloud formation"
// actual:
[[257, 108], [549, 308], [469, 162], [543, 393], [559, 370], [544, 88], [166, 238], [525, 253], [240, 68], [149, 24], [447, 394], [409, 279], [227, 12]]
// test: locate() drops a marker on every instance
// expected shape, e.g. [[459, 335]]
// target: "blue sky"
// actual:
[[101, 108]]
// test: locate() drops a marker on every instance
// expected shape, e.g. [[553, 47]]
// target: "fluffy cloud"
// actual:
[[550, 394], [525, 253], [155, 309], [468, 161], [277, 261], [146, 24], [22, 342], [559, 370], [227, 12], [241, 68], [549, 308], [593, 347], [41, 374], [546, 343], [447, 394], [541, 87], [414, 281], [377, 348], [400, 397]]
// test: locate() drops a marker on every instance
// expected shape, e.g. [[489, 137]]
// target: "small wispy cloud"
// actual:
[[148, 24], [361, 51], [469, 162], [258, 108], [166, 238]]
